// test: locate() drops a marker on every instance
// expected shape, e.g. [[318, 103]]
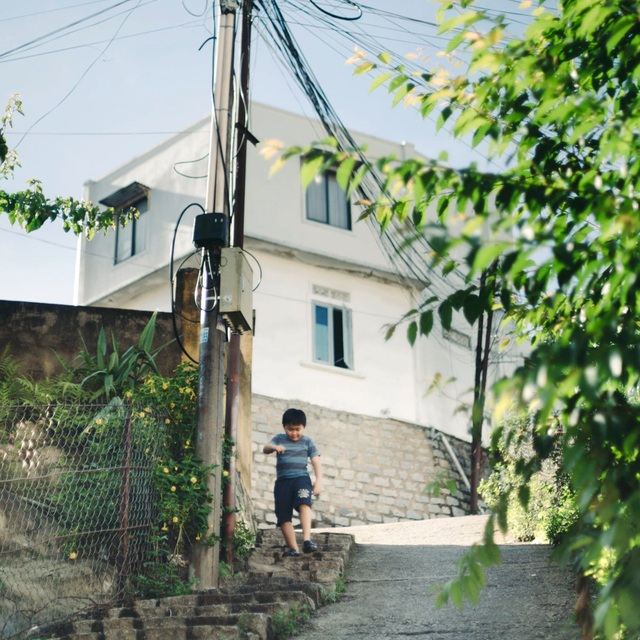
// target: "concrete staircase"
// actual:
[[242, 608]]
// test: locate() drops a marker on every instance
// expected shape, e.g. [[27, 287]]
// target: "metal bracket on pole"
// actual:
[[228, 6]]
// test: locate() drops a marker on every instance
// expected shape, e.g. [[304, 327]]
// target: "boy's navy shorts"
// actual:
[[289, 494]]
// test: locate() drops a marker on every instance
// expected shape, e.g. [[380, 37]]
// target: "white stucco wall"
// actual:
[[275, 207], [97, 275], [381, 382]]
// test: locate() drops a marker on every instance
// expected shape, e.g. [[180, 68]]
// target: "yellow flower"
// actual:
[[173, 489], [225, 473], [188, 442], [173, 405], [194, 479], [98, 420], [198, 537], [128, 394], [165, 528], [166, 469], [176, 468], [181, 389], [165, 385], [142, 414], [188, 390], [175, 519], [73, 555], [148, 409], [167, 421]]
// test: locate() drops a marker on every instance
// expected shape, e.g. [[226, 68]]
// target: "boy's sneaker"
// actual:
[[292, 553], [309, 547]]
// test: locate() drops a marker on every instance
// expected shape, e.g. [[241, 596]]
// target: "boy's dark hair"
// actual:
[[294, 416]]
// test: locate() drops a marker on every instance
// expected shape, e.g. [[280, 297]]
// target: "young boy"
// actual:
[[293, 488]]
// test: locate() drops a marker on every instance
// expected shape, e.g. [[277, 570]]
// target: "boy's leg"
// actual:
[[303, 505], [305, 520], [289, 535], [284, 511]]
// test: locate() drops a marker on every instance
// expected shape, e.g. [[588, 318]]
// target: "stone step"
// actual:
[[273, 537], [213, 627], [164, 633], [300, 569], [233, 597], [260, 582], [240, 609]]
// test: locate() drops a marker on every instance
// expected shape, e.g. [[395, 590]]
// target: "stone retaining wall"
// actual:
[[375, 469]]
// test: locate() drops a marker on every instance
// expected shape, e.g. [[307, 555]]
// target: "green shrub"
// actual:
[[542, 509], [160, 576], [184, 500], [244, 541]]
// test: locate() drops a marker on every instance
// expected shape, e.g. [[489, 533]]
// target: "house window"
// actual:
[[327, 202], [332, 336], [132, 239]]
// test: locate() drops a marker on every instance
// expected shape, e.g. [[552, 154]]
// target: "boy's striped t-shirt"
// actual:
[[293, 462]]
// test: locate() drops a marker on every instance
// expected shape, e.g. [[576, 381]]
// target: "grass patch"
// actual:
[[287, 623], [329, 596]]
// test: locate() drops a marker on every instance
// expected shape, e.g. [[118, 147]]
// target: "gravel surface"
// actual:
[[395, 566]]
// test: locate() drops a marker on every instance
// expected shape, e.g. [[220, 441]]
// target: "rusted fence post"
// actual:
[[122, 560]]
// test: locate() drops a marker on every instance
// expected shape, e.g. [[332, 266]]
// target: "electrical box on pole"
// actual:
[[236, 289], [211, 230]]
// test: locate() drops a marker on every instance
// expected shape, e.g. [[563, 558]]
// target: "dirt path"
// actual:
[[395, 566]]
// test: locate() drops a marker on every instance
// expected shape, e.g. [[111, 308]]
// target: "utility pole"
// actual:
[[234, 356], [211, 234]]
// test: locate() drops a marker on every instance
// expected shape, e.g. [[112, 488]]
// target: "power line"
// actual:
[[412, 258], [191, 23], [86, 71], [104, 133], [59, 245], [46, 11], [127, 12], [61, 29]]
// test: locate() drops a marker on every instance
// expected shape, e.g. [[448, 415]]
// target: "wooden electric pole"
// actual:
[[213, 333], [234, 358]]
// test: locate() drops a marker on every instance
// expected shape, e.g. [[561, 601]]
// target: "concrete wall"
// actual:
[[35, 332], [375, 469]]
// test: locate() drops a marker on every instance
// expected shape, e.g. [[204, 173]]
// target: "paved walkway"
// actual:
[[395, 565]]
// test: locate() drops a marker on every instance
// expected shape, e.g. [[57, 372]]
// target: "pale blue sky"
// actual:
[[124, 80]]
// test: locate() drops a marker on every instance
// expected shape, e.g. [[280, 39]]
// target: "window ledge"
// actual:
[[331, 369]]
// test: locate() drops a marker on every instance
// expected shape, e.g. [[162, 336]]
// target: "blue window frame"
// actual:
[[332, 336]]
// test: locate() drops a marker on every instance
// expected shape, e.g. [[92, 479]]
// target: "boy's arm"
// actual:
[[317, 470], [270, 448]]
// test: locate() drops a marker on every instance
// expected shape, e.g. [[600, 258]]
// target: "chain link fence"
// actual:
[[77, 505]]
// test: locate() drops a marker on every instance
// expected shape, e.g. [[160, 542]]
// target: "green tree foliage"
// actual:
[[30, 209], [557, 109]]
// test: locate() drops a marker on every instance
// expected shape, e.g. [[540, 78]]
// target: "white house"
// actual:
[[325, 288]]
